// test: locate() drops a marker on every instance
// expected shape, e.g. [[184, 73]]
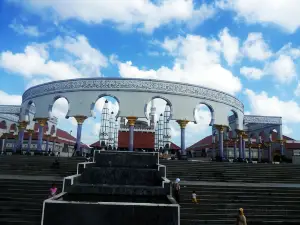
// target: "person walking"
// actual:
[[177, 190], [241, 218]]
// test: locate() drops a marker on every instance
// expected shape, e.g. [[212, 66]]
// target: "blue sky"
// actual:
[[247, 48]]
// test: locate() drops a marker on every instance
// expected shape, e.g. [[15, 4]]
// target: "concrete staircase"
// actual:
[[37, 165], [232, 172], [219, 205], [224, 190], [24, 185], [21, 201]]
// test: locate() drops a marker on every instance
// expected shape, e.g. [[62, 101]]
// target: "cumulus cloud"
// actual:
[[255, 47], [144, 15], [25, 30], [252, 72], [7, 99], [36, 64], [283, 13], [230, 46], [196, 60], [262, 104]]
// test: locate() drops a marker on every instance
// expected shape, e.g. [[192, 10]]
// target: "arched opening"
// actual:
[[204, 117], [59, 110], [158, 118], [273, 134], [105, 131], [3, 125], [13, 128], [52, 131], [30, 111]]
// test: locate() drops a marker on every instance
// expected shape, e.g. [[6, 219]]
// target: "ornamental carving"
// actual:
[[10, 109], [9, 117], [119, 84], [263, 119]]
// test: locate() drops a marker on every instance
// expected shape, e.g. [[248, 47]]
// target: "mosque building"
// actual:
[[148, 136]]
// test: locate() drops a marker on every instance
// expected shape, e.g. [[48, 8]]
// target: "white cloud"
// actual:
[[89, 59], [286, 130], [7, 99], [197, 61], [262, 104], [25, 30], [252, 73], [96, 129], [146, 15], [255, 48], [60, 108], [113, 105], [283, 13], [230, 46], [283, 68], [35, 62]]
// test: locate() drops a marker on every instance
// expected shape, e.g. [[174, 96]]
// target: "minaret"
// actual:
[[152, 115], [104, 126], [161, 132], [156, 137], [111, 132], [116, 136], [167, 129]]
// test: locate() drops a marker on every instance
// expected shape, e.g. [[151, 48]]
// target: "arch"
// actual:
[[50, 110], [46, 127], [104, 95], [13, 128], [158, 97], [4, 124], [52, 131], [212, 113], [273, 130]]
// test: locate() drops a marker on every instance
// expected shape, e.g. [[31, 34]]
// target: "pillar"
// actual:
[[281, 147], [182, 124], [240, 135], [244, 147], [80, 120], [22, 126], [30, 133], [259, 152], [42, 122], [131, 122], [4, 138], [234, 148], [47, 142], [270, 152], [221, 137], [249, 154], [15, 144], [213, 146], [53, 144]]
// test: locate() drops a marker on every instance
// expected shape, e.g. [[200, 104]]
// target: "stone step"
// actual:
[[232, 221]]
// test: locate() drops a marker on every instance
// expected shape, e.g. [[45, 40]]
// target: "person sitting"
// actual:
[[52, 191]]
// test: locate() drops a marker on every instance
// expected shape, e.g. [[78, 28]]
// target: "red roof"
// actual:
[[142, 140], [61, 136], [207, 142]]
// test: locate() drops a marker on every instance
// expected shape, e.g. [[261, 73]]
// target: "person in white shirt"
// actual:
[[194, 197]]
